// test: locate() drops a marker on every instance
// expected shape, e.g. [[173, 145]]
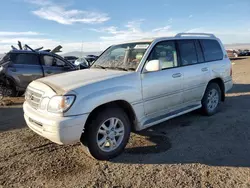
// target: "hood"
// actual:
[[69, 81]]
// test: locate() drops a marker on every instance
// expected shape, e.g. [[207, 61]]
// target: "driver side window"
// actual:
[[48, 60], [58, 62], [53, 61], [165, 52]]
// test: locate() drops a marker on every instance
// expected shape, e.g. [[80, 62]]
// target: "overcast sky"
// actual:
[[99, 23]]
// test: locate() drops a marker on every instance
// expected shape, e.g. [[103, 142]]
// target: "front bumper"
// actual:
[[61, 130]]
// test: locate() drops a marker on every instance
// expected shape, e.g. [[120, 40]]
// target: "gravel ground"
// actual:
[[188, 151]]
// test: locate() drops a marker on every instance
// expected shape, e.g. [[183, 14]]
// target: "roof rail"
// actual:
[[195, 34]]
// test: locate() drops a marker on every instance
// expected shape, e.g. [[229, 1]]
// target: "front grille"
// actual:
[[33, 97]]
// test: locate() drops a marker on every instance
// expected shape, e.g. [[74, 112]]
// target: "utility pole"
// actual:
[[82, 50]]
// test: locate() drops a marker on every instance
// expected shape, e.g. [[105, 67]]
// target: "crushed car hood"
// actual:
[[70, 81]]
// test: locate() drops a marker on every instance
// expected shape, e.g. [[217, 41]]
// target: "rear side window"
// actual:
[[188, 52], [27, 59], [212, 50]]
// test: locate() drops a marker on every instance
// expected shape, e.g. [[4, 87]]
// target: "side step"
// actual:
[[164, 117]]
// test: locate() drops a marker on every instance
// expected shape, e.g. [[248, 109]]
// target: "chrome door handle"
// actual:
[[176, 75], [204, 69]]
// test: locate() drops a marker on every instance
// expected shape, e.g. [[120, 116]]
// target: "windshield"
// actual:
[[124, 56]]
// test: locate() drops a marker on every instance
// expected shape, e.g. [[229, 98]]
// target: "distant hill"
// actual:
[[78, 53], [236, 46]]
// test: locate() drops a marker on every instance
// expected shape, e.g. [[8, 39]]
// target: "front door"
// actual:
[[53, 65], [162, 90]]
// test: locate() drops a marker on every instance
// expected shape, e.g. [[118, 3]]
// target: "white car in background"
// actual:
[[133, 85], [232, 53], [84, 62]]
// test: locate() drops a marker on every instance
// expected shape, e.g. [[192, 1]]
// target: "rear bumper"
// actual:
[[61, 130]]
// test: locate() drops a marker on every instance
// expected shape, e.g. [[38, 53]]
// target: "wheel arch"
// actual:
[[124, 105], [220, 83]]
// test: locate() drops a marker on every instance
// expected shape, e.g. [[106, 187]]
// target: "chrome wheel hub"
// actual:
[[110, 134], [212, 100]]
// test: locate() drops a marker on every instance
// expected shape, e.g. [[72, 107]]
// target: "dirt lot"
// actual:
[[188, 151]]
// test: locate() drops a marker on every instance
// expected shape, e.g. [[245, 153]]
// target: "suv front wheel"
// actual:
[[108, 134], [211, 99]]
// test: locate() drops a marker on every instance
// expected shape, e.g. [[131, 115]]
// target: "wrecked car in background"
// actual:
[[71, 59], [21, 66], [84, 62]]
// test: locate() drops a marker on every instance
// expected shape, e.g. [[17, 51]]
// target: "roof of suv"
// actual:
[[178, 36]]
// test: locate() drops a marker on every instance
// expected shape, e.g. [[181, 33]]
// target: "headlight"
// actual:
[[44, 103], [59, 104]]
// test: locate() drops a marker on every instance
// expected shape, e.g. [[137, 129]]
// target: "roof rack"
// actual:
[[195, 34], [27, 47]]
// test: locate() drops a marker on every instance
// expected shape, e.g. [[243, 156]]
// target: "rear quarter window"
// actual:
[[26, 59], [212, 50]]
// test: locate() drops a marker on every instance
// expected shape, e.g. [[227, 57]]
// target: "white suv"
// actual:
[[131, 86]]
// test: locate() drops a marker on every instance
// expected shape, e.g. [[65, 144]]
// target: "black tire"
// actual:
[[8, 91], [20, 93], [90, 140], [206, 110]]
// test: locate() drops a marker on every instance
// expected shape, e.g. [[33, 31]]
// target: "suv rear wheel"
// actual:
[[108, 134], [211, 99]]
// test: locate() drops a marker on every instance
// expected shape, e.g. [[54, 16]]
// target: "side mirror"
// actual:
[[153, 65]]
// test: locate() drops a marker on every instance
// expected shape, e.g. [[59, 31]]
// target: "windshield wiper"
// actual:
[[99, 66], [118, 68]]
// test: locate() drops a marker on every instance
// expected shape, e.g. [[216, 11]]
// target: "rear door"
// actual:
[[25, 68], [195, 70], [54, 65]]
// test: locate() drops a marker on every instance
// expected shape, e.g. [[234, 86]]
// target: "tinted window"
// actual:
[[212, 50], [27, 59], [53, 61], [199, 52], [48, 60], [58, 62], [187, 52], [165, 52]]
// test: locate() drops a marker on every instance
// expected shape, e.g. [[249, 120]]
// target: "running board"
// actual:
[[165, 117]]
